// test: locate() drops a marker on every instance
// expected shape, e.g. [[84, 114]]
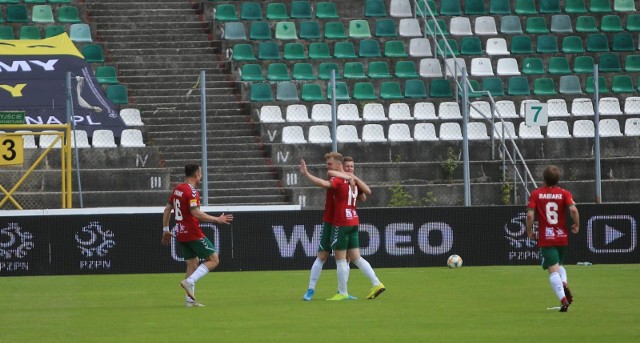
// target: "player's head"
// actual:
[[551, 175], [334, 161], [349, 165], [193, 171]]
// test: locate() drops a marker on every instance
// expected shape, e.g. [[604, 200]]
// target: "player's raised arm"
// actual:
[[203, 217], [314, 179]]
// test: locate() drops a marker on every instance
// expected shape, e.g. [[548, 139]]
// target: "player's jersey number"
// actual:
[[176, 209], [551, 210]]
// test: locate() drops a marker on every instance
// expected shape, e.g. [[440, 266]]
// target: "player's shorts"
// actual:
[[552, 255], [325, 238], [345, 238], [202, 248]]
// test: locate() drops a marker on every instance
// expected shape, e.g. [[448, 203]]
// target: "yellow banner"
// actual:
[[57, 45]]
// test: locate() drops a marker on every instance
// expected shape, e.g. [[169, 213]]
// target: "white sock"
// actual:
[[316, 269], [563, 274], [342, 268], [366, 269], [198, 274], [556, 285]]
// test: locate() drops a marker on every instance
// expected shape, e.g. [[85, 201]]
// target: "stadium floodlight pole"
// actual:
[[596, 124], [465, 139], [203, 138], [334, 113], [70, 120]]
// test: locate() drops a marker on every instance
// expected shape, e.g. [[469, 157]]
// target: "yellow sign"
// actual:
[[11, 150]]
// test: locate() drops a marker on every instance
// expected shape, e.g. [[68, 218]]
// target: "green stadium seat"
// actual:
[[301, 10], [493, 85], [259, 30], [311, 92], [250, 11], [375, 8], [53, 30], [600, 6], [422, 11], [59, 1], [93, 53], [286, 30], [277, 11], [386, 28], [572, 45], [6, 33], [17, 14], [243, 52], [251, 72], [268, 51], [80, 32], [278, 72], [583, 64], [415, 88], [518, 85], [559, 65], [474, 7], [622, 84], [597, 42], [561, 23], [117, 94], [521, 45], [394, 48], [623, 41], [547, 44], [354, 70], [310, 30], [260, 92], [536, 25], [450, 7], [369, 48], [107, 75], [570, 84], [632, 63], [442, 48], [532, 66], [303, 71], [30, 32], [326, 10], [586, 23], [68, 14], [611, 23], [526, 7], [344, 50], [550, 6], [319, 50], [364, 91], [287, 91], [602, 85], [42, 14], [511, 25], [544, 86], [624, 5], [439, 88], [405, 69], [379, 70], [334, 30], [31, 2], [609, 63], [324, 71], [432, 29], [225, 12], [470, 46], [234, 30], [474, 90], [575, 7], [359, 29], [390, 90], [294, 51], [10, 1], [500, 7], [633, 22], [342, 91]]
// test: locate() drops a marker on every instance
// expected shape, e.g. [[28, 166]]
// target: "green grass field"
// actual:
[[471, 304]]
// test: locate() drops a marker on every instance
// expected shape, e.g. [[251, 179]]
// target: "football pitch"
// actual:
[[470, 304]]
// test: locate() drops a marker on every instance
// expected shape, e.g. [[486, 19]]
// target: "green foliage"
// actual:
[[401, 198], [450, 164], [506, 191]]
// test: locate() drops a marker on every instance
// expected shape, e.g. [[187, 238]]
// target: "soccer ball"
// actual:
[[454, 261]]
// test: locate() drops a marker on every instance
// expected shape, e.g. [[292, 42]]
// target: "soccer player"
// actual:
[[548, 204], [194, 245]]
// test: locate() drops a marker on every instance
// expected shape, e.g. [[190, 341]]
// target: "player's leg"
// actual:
[[203, 248], [191, 260], [551, 262], [353, 254], [324, 249], [562, 251], [192, 265], [339, 246]]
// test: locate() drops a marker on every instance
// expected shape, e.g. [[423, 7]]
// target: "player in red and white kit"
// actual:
[[548, 204], [194, 245]]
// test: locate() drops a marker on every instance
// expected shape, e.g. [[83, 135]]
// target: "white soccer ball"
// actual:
[[454, 261]]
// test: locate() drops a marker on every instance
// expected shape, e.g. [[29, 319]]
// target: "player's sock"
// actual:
[[201, 271], [342, 269], [563, 274], [556, 285], [366, 269], [192, 288], [316, 269]]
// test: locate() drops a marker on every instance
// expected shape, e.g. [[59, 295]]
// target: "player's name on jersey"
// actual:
[[550, 196]]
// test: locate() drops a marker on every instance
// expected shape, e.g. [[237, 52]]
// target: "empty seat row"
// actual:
[[252, 10], [554, 65], [79, 138], [41, 14], [79, 33], [567, 84]]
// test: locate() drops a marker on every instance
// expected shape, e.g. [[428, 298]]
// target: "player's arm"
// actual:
[[314, 179], [203, 217], [575, 216], [166, 232], [362, 186], [529, 223]]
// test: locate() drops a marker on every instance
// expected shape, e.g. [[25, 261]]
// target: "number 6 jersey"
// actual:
[[550, 205]]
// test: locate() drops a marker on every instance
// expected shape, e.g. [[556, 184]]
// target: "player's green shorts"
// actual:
[[344, 237], [552, 255], [202, 248], [325, 239]]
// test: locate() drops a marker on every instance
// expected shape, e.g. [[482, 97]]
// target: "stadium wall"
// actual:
[[127, 240]]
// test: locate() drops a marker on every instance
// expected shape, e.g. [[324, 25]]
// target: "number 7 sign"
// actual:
[[535, 114]]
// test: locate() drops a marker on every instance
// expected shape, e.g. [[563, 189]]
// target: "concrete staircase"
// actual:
[[159, 48]]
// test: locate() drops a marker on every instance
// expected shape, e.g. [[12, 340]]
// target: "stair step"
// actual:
[[166, 52], [212, 66], [150, 105], [111, 45], [140, 5]]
